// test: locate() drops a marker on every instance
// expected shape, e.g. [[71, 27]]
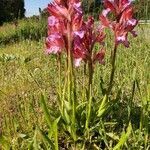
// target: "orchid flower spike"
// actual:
[[123, 22], [83, 33]]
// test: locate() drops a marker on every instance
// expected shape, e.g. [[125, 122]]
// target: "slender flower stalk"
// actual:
[[113, 60], [59, 76], [121, 25]]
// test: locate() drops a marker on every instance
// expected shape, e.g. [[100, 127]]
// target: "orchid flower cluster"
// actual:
[[68, 32], [67, 18], [123, 22]]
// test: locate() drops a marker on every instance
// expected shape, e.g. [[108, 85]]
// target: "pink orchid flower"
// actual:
[[117, 6], [57, 9], [83, 34], [56, 25], [54, 43], [85, 41], [124, 21]]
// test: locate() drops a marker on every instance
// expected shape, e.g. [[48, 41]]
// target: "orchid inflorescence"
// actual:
[[66, 25], [123, 22], [83, 34]]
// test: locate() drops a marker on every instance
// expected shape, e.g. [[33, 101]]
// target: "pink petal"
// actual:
[[122, 39], [52, 20], [77, 62], [54, 43], [58, 10], [132, 22], [100, 56], [80, 33], [103, 18], [105, 12], [109, 4], [77, 7], [77, 22], [53, 50]]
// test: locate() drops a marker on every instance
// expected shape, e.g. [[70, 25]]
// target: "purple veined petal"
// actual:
[[111, 4], [90, 22], [77, 62], [53, 50], [125, 4], [52, 20], [77, 4], [122, 39], [132, 22], [104, 20], [80, 33], [77, 7], [54, 43], [105, 12], [55, 36], [77, 21]]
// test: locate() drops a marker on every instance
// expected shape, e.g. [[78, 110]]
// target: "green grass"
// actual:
[[33, 29], [26, 72]]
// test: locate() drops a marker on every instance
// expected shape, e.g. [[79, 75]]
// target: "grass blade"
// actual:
[[46, 112], [123, 138]]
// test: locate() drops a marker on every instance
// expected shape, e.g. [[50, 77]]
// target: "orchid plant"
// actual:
[[70, 35], [121, 25]]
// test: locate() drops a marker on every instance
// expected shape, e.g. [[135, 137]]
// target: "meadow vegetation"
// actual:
[[33, 29], [26, 72], [41, 108]]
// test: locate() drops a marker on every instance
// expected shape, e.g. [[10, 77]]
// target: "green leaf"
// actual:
[[46, 138], [46, 112], [124, 137], [88, 110], [66, 117], [55, 131], [35, 143], [113, 136], [102, 107], [67, 105]]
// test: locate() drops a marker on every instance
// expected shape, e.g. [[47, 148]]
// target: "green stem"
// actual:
[[112, 70], [71, 81], [59, 76], [90, 66], [89, 96]]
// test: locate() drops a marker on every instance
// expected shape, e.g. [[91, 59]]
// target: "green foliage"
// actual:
[[11, 10], [36, 121], [33, 29], [142, 9], [92, 7], [33, 118]]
